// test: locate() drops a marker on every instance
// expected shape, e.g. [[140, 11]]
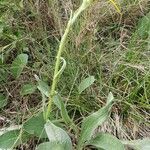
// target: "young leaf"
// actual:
[[3, 101], [86, 83], [35, 126], [28, 89], [107, 142], [50, 146], [138, 144], [92, 122], [58, 135], [18, 64]]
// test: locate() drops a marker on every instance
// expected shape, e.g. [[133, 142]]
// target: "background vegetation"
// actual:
[[114, 49]]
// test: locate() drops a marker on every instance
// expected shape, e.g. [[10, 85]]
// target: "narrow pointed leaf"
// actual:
[[60, 104], [56, 134], [92, 122], [114, 3], [86, 83], [107, 142]]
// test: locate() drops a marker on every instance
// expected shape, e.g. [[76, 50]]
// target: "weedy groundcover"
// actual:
[[48, 130]]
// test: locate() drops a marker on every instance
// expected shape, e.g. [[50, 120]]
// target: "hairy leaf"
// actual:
[[107, 142], [56, 134], [93, 121], [86, 83], [50, 146], [138, 144]]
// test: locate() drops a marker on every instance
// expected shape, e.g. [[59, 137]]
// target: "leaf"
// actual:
[[35, 126], [28, 89], [43, 87], [107, 142], [18, 64], [3, 101], [138, 144], [58, 135], [93, 121], [86, 83], [59, 103], [8, 139], [50, 146], [12, 138]]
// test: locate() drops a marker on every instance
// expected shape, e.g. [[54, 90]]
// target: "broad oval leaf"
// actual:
[[3, 100], [12, 138], [8, 139], [107, 142], [143, 144], [86, 83], [35, 126], [50, 146], [93, 121], [28, 89], [18, 64], [58, 135]]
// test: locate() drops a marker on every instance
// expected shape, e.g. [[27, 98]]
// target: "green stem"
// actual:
[[58, 57]]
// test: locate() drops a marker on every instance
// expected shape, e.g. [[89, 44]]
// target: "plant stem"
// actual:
[[58, 57]]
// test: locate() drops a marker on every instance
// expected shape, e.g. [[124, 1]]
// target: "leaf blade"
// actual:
[[50, 146], [86, 83], [18, 64], [107, 142], [56, 134], [27, 89], [91, 122], [143, 144]]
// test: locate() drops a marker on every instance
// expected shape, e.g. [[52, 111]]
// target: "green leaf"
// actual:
[[43, 87], [18, 64], [138, 144], [3, 101], [50, 146], [35, 126], [28, 89], [59, 103], [93, 121], [3, 74], [8, 139], [12, 138], [107, 142], [58, 135], [86, 83]]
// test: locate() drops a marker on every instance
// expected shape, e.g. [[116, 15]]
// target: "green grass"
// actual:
[[115, 50]]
